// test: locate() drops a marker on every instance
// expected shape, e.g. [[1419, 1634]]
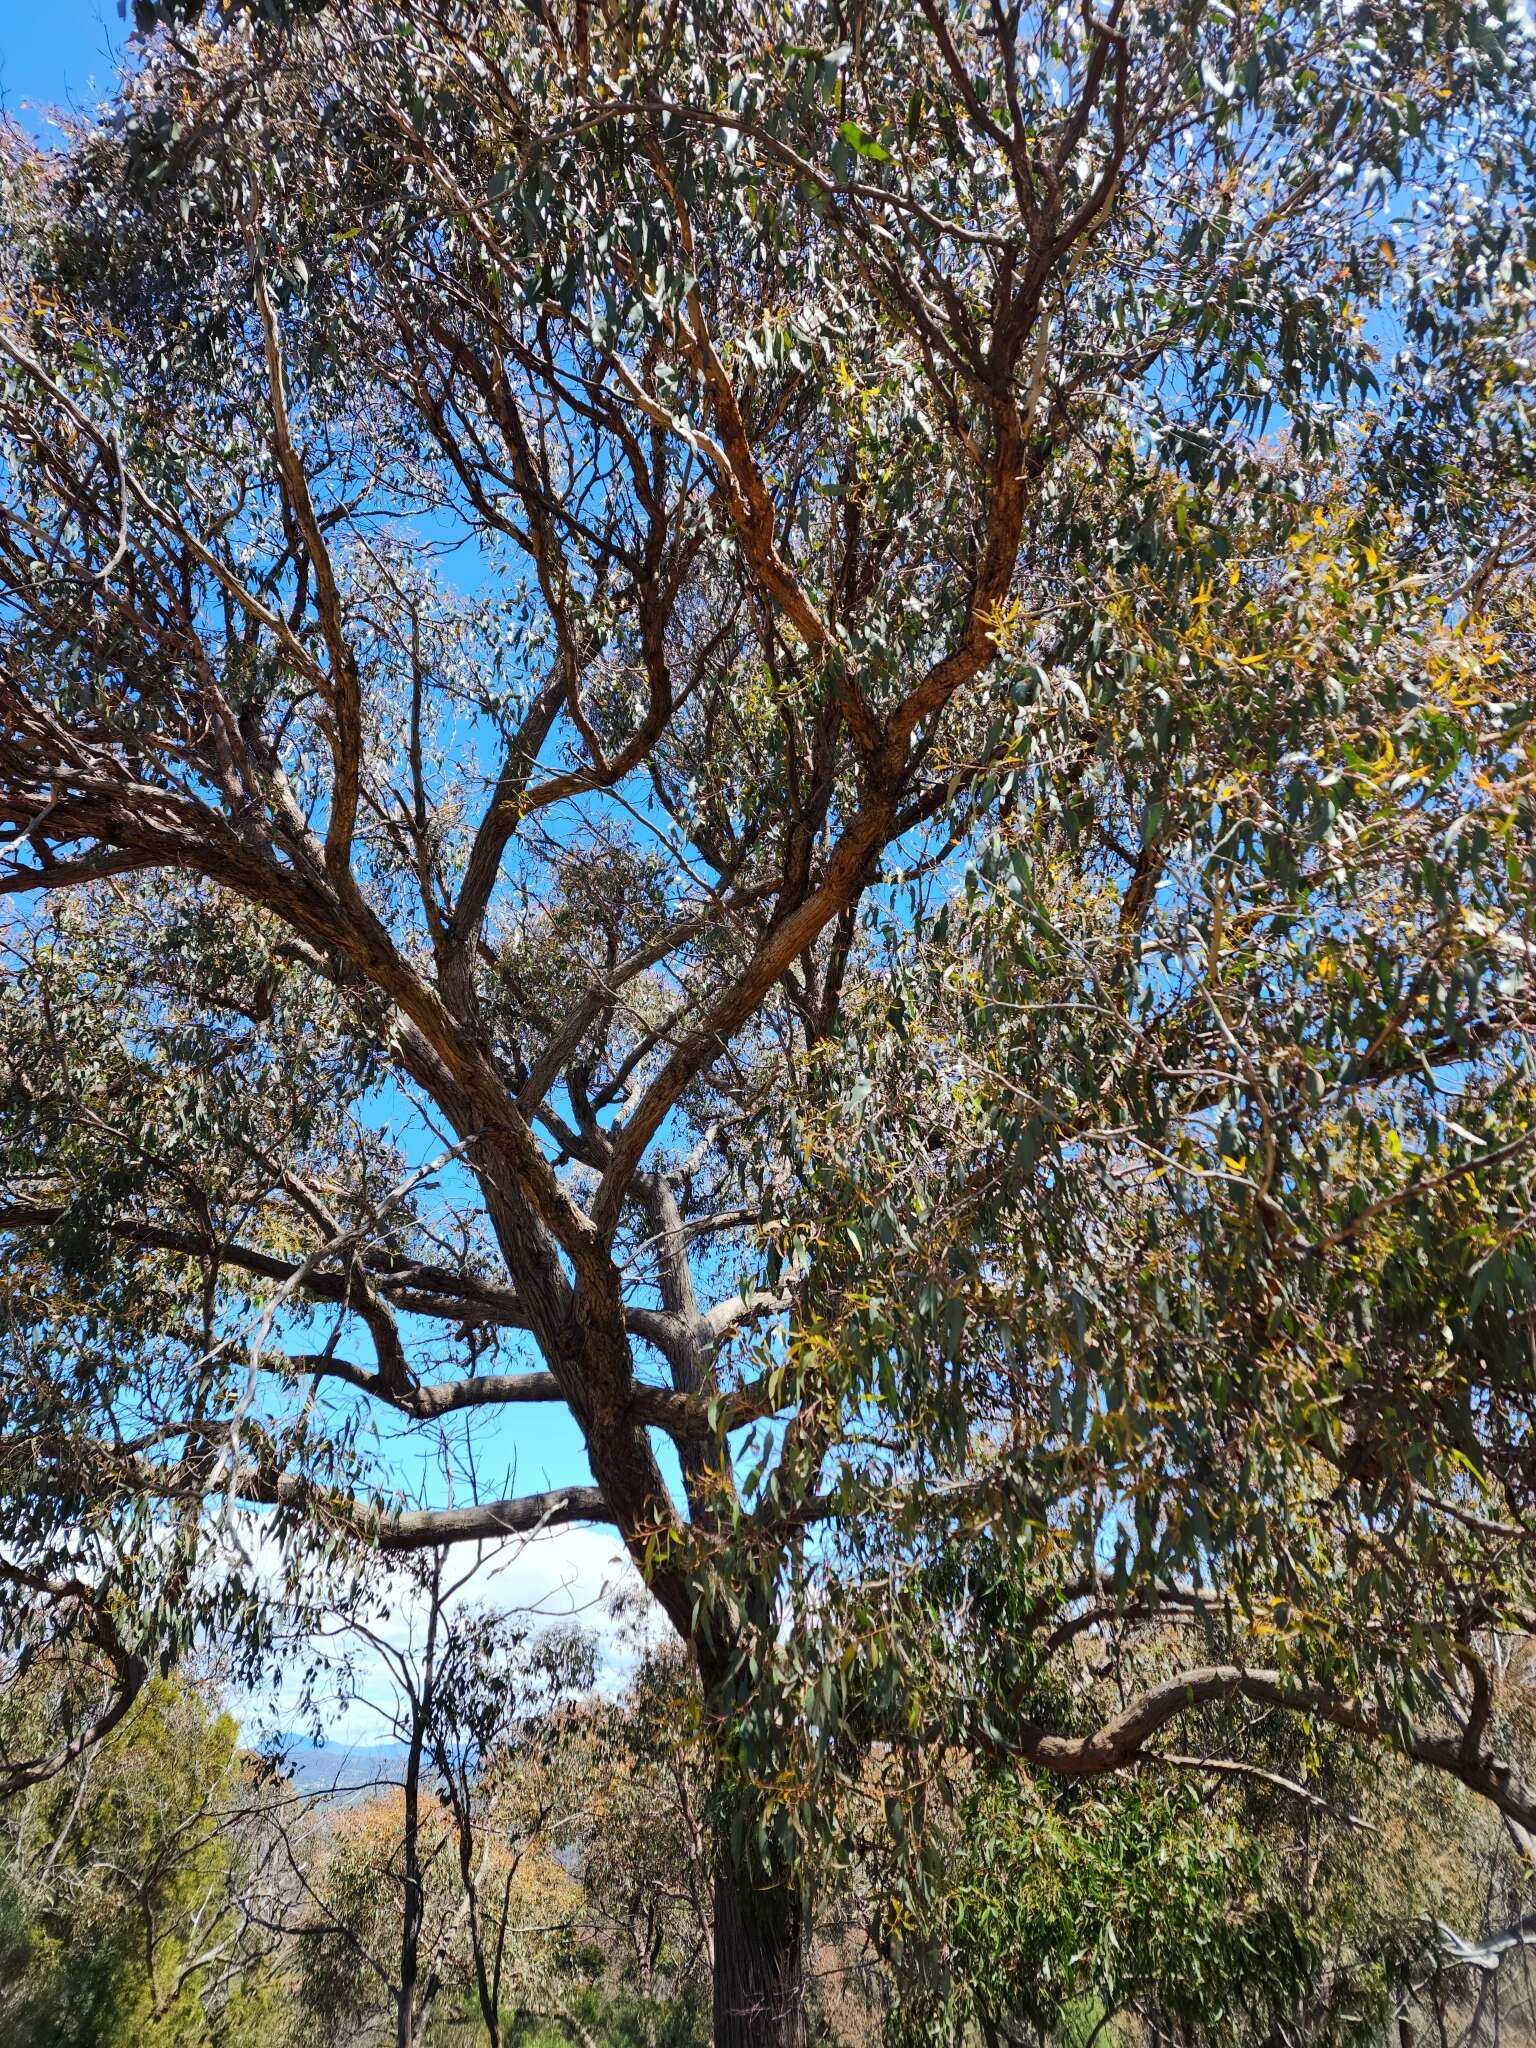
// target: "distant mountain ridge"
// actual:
[[338, 1766]]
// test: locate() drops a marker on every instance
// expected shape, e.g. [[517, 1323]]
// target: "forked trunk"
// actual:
[[759, 1965]]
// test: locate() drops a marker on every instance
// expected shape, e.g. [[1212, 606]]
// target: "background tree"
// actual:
[[644, 1848], [132, 1884], [495, 1739], [436, 1903], [521, 532]]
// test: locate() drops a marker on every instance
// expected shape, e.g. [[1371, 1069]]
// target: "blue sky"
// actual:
[[56, 53], [61, 54]]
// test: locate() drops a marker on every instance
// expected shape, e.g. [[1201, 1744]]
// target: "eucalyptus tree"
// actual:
[[441, 1893], [522, 529]]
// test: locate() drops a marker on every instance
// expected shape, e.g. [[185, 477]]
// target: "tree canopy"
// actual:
[[805, 730]]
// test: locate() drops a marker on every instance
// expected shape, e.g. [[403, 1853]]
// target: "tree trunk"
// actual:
[[759, 1965]]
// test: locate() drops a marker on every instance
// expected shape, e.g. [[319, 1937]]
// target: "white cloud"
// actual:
[[562, 1577]]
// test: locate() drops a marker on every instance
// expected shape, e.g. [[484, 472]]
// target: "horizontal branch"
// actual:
[[398, 1530], [679, 1415], [1122, 1739], [1235, 1767], [70, 874], [413, 1287]]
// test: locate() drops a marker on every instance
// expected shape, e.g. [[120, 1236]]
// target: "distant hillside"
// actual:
[[342, 1767]]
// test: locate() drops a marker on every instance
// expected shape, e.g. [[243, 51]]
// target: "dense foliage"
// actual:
[[126, 1893], [170, 1888]]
